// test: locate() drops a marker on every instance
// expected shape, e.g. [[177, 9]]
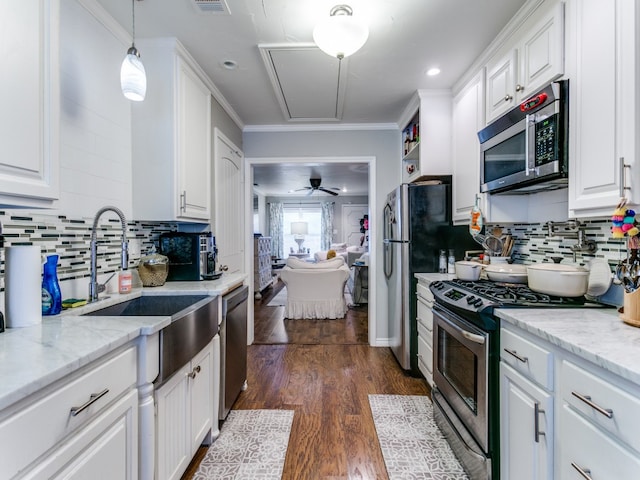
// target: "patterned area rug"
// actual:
[[412, 445], [280, 300], [252, 446]]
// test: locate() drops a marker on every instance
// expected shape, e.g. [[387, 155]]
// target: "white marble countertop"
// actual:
[[597, 335], [432, 277], [34, 357]]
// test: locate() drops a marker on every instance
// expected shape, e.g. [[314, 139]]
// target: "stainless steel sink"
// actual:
[[194, 322]]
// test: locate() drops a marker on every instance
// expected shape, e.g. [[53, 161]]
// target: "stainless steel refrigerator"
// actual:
[[417, 225]]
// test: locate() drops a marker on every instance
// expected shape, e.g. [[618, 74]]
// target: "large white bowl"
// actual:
[[503, 272], [558, 279]]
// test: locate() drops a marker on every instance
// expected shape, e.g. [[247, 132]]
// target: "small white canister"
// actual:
[[23, 286]]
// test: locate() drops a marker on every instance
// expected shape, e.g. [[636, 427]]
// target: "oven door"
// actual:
[[461, 353]]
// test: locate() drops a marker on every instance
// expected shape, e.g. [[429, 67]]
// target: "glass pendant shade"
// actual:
[[133, 78], [340, 34]]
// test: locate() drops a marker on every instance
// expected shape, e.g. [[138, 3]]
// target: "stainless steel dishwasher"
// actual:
[[233, 348]]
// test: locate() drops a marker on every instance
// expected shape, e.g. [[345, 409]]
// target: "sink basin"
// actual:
[[194, 322], [151, 305]]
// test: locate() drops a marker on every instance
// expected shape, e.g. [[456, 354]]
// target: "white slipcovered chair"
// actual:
[[315, 290]]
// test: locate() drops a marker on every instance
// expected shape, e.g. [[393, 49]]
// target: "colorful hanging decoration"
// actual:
[[623, 221]]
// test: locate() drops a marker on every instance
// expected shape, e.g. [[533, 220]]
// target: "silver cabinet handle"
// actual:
[[94, 397], [508, 98], [516, 355], [536, 422], [194, 372], [607, 412], [183, 201], [473, 337], [519, 88], [623, 178], [585, 472]]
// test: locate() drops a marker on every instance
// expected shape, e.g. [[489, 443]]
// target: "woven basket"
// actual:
[[153, 275]]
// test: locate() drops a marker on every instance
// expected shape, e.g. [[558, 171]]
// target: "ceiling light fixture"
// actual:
[[341, 34], [133, 78], [433, 71]]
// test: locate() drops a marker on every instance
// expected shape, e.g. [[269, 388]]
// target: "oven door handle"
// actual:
[[473, 337]]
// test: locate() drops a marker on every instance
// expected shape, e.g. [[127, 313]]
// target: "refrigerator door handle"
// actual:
[[389, 240]]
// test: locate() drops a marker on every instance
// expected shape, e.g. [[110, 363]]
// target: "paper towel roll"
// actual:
[[23, 286]]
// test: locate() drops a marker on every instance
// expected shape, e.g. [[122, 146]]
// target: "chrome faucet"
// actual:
[[94, 288]]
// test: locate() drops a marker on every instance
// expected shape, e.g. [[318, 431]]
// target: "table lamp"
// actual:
[[299, 230]]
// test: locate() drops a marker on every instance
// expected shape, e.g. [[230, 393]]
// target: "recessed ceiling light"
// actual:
[[230, 64], [433, 71]]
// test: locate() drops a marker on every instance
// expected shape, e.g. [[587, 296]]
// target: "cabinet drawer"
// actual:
[[425, 315], [423, 291], [425, 352], [624, 422], [584, 445], [32, 431], [532, 361]]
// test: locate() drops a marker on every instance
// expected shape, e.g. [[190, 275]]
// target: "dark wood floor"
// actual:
[[325, 373]]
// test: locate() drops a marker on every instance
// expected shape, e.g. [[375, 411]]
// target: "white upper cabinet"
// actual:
[[467, 118], [30, 99], [532, 61], [602, 61], [430, 112], [172, 137]]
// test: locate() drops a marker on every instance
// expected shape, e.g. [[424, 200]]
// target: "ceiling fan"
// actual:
[[315, 186]]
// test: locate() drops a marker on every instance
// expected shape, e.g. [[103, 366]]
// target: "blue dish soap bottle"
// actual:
[[51, 295]]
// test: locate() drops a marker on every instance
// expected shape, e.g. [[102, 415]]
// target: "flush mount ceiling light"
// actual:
[[341, 34], [433, 71], [133, 78]]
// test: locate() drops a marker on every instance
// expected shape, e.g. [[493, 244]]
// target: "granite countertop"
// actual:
[[595, 334], [33, 357]]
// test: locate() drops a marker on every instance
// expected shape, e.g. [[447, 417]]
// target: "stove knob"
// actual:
[[471, 299], [478, 302]]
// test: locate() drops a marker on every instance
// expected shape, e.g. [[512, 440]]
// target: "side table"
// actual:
[[359, 283]]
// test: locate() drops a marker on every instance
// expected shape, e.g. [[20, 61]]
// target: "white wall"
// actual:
[[95, 123], [384, 145]]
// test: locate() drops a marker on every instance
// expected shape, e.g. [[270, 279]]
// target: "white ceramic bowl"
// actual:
[[466, 270], [503, 272], [558, 279]]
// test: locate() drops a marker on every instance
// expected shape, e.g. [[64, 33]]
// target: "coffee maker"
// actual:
[[192, 256]]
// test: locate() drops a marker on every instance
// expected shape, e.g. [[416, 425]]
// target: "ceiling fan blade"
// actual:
[[310, 191], [303, 188], [328, 191]]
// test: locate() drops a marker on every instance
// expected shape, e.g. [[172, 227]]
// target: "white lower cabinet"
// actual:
[[424, 319], [185, 414], [526, 430], [90, 422]]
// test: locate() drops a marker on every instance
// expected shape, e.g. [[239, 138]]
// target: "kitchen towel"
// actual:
[[22, 286]]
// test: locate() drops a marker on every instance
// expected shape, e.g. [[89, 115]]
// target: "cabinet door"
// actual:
[[602, 59], [173, 420], [229, 202], [524, 411], [541, 58], [467, 119], [194, 145], [501, 80], [201, 386], [29, 95]]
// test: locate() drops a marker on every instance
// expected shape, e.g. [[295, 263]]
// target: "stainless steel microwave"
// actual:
[[526, 150]]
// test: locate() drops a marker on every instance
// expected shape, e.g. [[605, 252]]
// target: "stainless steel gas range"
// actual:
[[466, 362]]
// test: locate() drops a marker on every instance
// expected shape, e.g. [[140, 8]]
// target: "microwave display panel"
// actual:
[[505, 158], [546, 146]]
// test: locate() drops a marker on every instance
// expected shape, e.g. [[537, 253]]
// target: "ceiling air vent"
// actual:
[[217, 7]]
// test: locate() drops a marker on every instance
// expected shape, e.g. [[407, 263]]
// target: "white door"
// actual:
[[351, 216], [228, 222]]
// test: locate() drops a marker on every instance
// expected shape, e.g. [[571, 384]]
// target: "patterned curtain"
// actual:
[[276, 227], [326, 225]]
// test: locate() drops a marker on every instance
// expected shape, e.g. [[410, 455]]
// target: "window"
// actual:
[[310, 214]]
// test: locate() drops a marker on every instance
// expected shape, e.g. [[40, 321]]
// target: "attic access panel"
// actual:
[[308, 83]]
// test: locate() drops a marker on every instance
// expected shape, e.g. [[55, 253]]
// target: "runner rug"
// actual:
[[252, 446], [412, 445]]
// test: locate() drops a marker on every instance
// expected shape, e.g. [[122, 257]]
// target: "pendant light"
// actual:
[[133, 78], [341, 34]]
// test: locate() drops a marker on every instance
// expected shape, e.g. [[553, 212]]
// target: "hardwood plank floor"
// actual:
[[325, 373]]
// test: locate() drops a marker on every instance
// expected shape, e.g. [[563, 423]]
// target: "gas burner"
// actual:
[[512, 294]]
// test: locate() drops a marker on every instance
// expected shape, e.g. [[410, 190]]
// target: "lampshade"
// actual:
[[133, 78], [299, 228], [341, 34]]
